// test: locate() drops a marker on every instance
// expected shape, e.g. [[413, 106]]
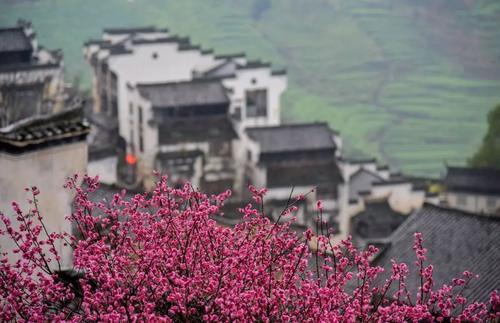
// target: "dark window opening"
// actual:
[[220, 148], [256, 102], [237, 113], [141, 130]]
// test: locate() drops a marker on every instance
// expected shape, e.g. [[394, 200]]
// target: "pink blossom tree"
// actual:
[[159, 256]]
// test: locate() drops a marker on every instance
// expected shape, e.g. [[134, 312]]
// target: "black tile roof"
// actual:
[[456, 241], [45, 130], [226, 68], [182, 94], [227, 56], [183, 41], [28, 67], [293, 137], [100, 42], [473, 180], [254, 64], [201, 129], [360, 161], [377, 221], [279, 72], [13, 40], [324, 175], [145, 29]]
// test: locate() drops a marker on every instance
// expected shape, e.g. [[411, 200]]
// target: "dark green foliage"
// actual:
[[489, 153]]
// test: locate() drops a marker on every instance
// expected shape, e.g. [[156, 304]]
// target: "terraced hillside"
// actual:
[[408, 81]]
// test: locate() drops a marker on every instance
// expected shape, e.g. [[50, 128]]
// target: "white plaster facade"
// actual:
[[476, 203], [154, 56], [48, 170]]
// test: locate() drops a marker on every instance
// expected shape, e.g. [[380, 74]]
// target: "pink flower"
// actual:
[[160, 257]]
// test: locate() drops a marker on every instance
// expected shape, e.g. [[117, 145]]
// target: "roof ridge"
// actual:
[[291, 125], [195, 80], [459, 212], [472, 170], [124, 30], [11, 28], [363, 169]]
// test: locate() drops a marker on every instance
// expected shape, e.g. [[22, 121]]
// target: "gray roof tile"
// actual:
[[293, 137], [475, 180], [192, 93], [14, 39], [456, 241], [377, 221]]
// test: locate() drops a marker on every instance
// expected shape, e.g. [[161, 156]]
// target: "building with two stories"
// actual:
[[42, 133], [180, 108]]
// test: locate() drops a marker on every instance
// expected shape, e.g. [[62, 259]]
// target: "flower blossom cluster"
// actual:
[[159, 256]]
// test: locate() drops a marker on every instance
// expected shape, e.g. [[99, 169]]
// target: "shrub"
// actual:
[[159, 256]]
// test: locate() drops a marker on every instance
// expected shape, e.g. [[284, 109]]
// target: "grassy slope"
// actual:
[[369, 67]]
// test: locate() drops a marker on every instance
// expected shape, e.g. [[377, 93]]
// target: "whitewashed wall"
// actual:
[[257, 79], [473, 202], [47, 169]]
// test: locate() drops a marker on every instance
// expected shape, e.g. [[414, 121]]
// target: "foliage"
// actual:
[[159, 256], [488, 154]]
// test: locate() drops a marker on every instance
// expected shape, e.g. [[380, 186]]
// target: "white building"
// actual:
[[474, 190], [378, 200], [31, 78], [43, 151], [42, 137], [137, 70], [215, 121], [302, 157]]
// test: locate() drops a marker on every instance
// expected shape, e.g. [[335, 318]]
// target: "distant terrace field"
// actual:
[[409, 82]]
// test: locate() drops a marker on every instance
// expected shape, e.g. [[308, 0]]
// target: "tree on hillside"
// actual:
[[160, 257], [488, 154]]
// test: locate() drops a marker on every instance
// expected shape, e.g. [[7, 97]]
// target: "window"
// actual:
[[256, 102], [114, 107], [491, 202], [249, 155], [155, 55], [130, 108], [462, 200], [141, 130], [237, 113]]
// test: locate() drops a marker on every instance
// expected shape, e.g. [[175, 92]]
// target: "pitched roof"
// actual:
[[40, 131], [207, 128], [362, 180], [377, 221], [456, 241], [475, 180], [191, 93], [325, 175], [227, 56], [228, 67], [254, 64], [292, 137], [14, 39], [184, 41]]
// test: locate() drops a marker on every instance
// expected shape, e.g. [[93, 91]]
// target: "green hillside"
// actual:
[[408, 81]]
